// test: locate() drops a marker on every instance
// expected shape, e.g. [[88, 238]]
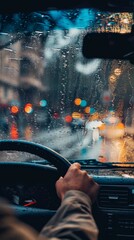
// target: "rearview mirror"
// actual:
[[109, 45]]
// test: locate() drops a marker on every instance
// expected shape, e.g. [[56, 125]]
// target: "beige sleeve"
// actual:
[[73, 220], [11, 228]]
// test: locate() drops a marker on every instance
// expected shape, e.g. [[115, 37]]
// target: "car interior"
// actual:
[[66, 96]]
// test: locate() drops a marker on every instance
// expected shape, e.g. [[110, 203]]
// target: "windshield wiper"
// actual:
[[93, 163]]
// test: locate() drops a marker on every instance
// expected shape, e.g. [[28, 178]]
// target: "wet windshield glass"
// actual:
[[51, 94]]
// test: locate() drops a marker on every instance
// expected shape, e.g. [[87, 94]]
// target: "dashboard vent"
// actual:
[[113, 197]]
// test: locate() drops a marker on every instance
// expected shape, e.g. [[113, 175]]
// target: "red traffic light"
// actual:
[[14, 109]]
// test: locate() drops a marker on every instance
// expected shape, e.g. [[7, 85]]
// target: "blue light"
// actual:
[[83, 103], [43, 103], [92, 110]]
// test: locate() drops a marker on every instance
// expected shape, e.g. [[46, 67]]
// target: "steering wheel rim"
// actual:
[[61, 163]]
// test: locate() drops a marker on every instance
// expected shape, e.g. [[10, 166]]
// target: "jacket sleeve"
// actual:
[[73, 220], [11, 228]]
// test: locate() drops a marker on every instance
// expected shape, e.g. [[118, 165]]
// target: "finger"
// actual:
[[72, 168], [75, 165], [59, 182], [84, 172], [60, 179]]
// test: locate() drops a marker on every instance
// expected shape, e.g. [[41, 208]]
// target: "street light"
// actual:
[[117, 71], [112, 78]]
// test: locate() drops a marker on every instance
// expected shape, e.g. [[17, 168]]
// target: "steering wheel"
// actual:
[[52, 156], [16, 172]]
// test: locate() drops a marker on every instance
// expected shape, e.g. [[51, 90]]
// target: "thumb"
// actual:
[[59, 186], [59, 181]]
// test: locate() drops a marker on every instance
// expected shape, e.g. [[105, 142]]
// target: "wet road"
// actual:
[[77, 145]]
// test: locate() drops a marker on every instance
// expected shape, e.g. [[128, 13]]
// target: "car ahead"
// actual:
[[59, 64]]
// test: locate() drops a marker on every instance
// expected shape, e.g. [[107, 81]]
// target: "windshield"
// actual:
[[52, 95]]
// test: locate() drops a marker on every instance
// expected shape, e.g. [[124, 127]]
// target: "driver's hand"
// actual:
[[77, 179]]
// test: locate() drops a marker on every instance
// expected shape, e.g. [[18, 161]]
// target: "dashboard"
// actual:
[[37, 195], [34, 198], [114, 209]]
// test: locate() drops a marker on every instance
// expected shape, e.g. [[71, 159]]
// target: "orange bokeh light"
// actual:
[[76, 115], [77, 101], [14, 109], [87, 110], [14, 131], [28, 108]]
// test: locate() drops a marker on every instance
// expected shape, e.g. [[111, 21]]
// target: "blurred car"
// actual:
[[77, 124]]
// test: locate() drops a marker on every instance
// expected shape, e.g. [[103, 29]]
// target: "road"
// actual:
[[77, 145]]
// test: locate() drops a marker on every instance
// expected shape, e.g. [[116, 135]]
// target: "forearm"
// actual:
[[73, 219]]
